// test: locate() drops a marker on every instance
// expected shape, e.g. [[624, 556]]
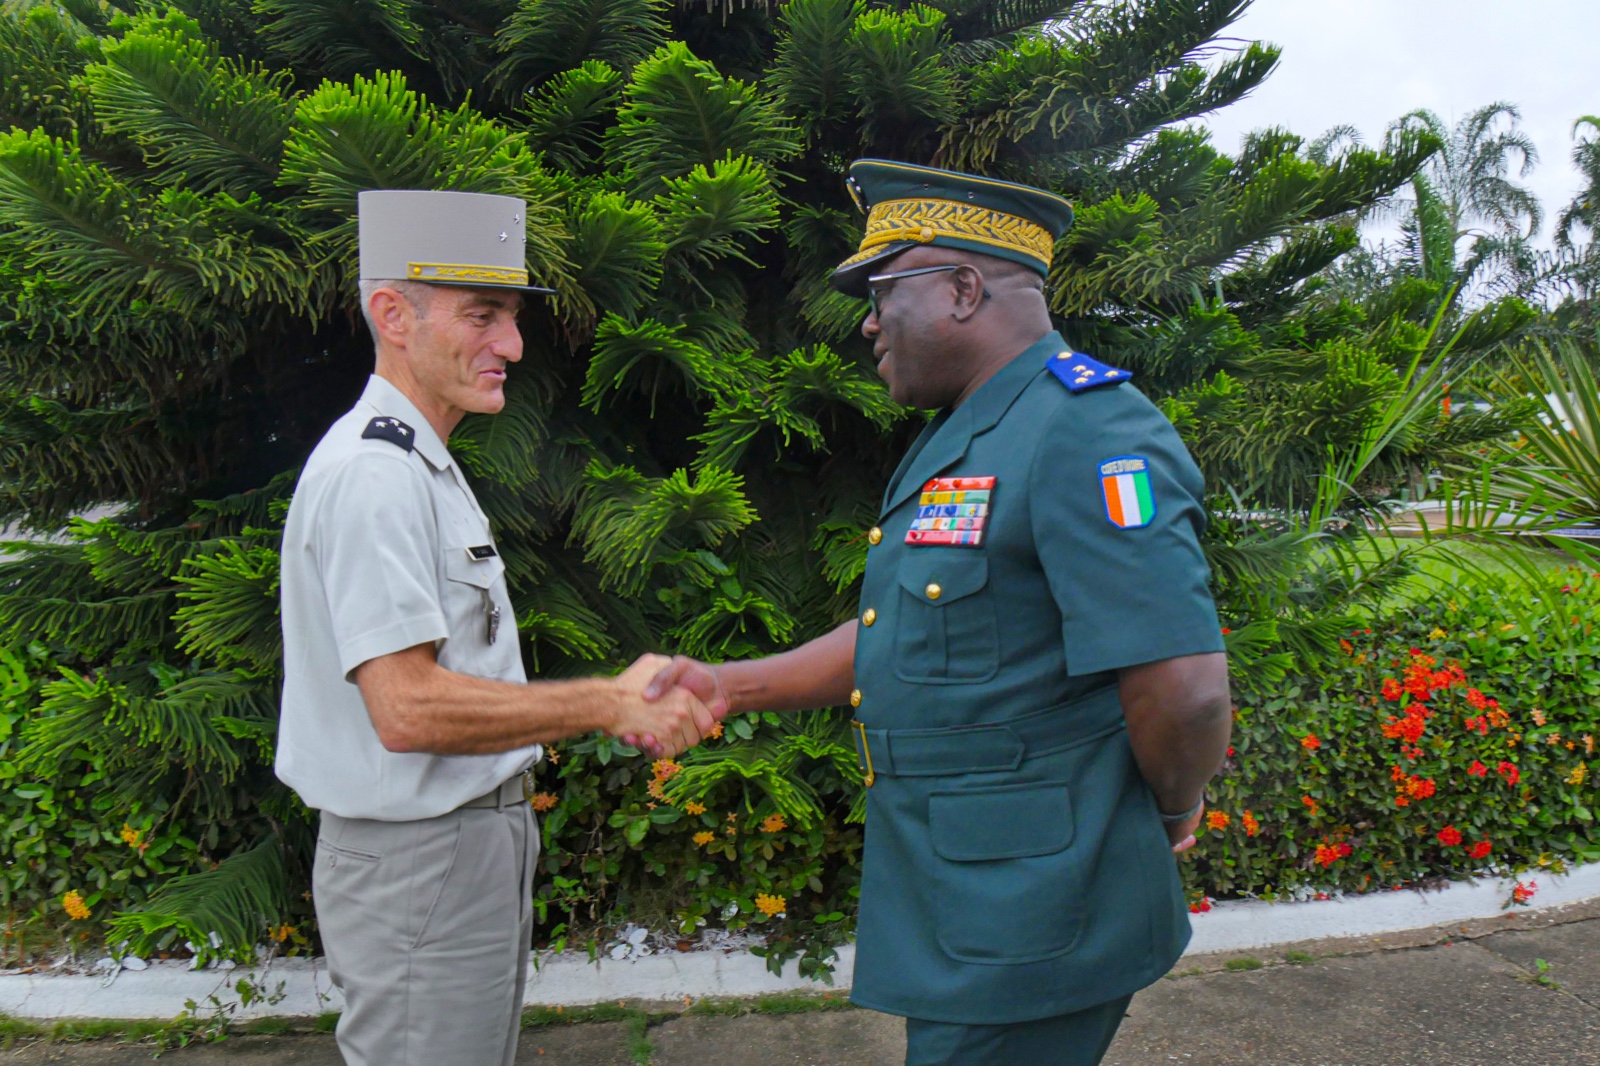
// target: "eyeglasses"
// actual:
[[875, 297]]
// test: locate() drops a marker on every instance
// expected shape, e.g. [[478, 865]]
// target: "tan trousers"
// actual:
[[427, 927]]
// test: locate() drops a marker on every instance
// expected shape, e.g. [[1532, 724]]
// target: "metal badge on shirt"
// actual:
[[952, 511], [482, 553]]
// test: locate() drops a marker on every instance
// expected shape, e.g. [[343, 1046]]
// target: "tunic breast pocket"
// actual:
[[947, 633], [469, 594]]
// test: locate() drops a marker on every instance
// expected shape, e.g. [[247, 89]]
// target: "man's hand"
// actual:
[[665, 724], [698, 677], [1181, 836], [686, 673]]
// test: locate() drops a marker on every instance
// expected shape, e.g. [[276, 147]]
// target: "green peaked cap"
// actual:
[[909, 205]]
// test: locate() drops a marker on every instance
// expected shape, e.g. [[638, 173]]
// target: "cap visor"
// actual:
[[852, 280]]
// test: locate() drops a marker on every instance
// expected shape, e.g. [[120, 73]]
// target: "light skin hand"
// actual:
[[416, 705], [664, 723]]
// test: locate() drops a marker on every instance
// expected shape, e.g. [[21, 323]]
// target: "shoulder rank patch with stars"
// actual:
[[1079, 373], [392, 430]]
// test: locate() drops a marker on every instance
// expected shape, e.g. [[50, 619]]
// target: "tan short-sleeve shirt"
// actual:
[[385, 548]]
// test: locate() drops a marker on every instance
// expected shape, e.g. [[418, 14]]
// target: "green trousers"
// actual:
[[1076, 1039]]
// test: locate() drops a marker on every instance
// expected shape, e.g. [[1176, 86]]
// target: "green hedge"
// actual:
[[1358, 774], [71, 854], [1456, 735]]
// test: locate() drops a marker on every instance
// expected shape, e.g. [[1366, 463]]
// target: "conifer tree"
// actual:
[[695, 440]]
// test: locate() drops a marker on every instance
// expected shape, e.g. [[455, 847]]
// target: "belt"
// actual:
[[986, 748], [508, 793]]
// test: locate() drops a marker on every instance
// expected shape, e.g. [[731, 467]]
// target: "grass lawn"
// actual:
[[1443, 565]]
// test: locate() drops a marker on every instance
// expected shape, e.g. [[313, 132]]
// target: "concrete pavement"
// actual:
[[1473, 995]]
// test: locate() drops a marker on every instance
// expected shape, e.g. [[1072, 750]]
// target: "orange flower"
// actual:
[[664, 768], [774, 823], [692, 807], [770, 905], [1250, 824], [1311, 803], [1310, 742], [130, 835], [73, 903], [716, 732], [704, 838], [1217, 820], [543, 801], [1329, 853]]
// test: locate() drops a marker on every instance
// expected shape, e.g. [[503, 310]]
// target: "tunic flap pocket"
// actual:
[[937, 579], [459, 565], [1008, 822]]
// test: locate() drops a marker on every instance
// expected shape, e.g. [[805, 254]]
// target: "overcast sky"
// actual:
[[1367, 62]]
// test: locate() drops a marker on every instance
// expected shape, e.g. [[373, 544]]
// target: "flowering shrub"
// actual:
[[71, 855], [1454, 736]]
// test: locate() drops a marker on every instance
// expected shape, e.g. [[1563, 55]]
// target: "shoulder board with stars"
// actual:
[[1079, 373], [392, 430]]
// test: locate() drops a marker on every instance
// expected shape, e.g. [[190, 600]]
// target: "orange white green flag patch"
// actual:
[[1125, 481]]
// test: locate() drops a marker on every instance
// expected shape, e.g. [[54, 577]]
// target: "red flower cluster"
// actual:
[[1311, 803], [1310, 742], [1509, 771], [1201, 905], [1409, 787], [1329, 853], [1251, 826], [1480, 849], [1449, 836], [1477, 769], [1524, 891]]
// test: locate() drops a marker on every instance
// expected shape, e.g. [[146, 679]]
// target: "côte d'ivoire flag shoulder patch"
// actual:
[[1125, 482]]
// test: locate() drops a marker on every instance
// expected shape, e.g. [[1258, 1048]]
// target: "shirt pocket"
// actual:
[[947, 632], [1009, 885], [468, 581]]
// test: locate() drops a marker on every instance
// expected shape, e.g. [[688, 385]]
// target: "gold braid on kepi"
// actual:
[[909, 206]]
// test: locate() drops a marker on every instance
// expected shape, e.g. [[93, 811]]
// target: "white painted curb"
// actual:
[[572, 980]]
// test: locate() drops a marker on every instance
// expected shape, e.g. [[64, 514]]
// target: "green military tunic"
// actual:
[[1015, 865]]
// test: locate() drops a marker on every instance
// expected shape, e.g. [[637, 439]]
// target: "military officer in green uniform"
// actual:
[[1037, 673]]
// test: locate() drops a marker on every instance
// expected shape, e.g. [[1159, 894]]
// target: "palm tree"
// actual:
[[1468, 192], [1585, 207]]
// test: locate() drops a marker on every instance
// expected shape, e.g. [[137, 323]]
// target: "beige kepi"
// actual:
[[444, 238]]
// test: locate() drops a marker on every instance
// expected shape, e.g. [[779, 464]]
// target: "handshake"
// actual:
[[667, 704]]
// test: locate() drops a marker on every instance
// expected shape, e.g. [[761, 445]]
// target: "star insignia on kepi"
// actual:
[[1080, 373], [392, 430]]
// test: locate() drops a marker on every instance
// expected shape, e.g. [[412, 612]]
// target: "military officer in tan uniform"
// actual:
[[1036, 670], [407, 719]]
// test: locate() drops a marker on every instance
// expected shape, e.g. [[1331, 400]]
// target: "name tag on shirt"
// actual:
[[481, 553]]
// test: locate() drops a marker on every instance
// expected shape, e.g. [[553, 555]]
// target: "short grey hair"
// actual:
[[418, 295]]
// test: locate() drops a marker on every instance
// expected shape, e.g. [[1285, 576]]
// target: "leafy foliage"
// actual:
[[1450, 736], [695, 440]]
